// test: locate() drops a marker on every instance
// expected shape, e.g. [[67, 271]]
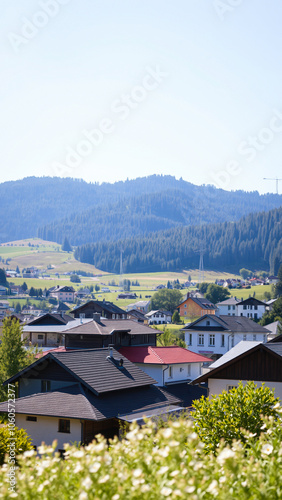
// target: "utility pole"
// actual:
[[273, 179]]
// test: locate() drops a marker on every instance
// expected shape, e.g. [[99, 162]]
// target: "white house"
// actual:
[[251, 308], [141, 305], [214, 335], [260, 363], [167, 365], [227, 307], [158, 317]]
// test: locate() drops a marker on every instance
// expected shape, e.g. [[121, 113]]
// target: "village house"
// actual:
[[104, 308], [260, 363], [100, 332], [63, 293], [227, 307], [251, 308], [214, 335], [193, 306], [141, 305], [73, 396], [158, 317], [136, 315], [167, 365]]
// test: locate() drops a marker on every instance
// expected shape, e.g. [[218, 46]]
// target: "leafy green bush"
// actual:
[[169, 464], [17, 443], [225, 416]]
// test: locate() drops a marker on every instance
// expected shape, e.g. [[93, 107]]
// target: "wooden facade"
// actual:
[[108, 428], [118, 339]]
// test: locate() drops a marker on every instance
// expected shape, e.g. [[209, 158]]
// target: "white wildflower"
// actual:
[[29, 453], [78, 454], [162, 470], [166, 491], [86, 483], [144, 488], [174, 473], [213, 487], [94, 467], [78, 468], [224, 455], [104, 479], [173, 443], [276, 406], [267, 449], [137, 472], [167, 433], [83, 495], [115, 497], [190, 489], [40, 488]]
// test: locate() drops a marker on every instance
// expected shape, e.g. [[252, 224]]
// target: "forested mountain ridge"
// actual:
[[255, 242], [53, 207], [150, 212]]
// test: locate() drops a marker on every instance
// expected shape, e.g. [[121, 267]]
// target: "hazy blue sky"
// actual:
[[191, 88]]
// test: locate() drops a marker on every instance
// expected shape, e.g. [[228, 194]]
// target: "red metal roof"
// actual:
[[161, 355], [52, 349]]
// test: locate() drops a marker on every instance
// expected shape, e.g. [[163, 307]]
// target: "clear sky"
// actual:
[[108, 90]]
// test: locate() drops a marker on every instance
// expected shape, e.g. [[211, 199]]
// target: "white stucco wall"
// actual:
[[216, 386], [250, 311], [218, 348], [179, 372], [46, 429]]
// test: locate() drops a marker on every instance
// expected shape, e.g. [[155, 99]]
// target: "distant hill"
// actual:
[[53, 208], [254, 242]]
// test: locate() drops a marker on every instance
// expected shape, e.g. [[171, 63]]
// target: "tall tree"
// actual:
[[165, 299], [13, 355], [66, 247], [3, 278], [278, 288], [216, 293]]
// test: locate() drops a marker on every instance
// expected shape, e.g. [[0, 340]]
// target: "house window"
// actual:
[[264, 338], [188, 370], [64, 425], [29, 418], [244, 307], [185, 305], [256, 315], [229, 307], [40, 337], [201, 339], [189, 338], [45, 385], [254, 337], [256, 308], [170, 372], [233, 307], [222, 340], [211, 339], [113, 316], [244, 337], [185, 313], [208, 323], [232, 340]]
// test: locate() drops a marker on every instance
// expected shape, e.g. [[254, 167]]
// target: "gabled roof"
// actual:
[[231, 301], [152, 313], [240, 348], [65, 288], [75, 402], [202, 302], [275, 349], [251, 301], [235, 324], [109, 326], [54, 328], [161, 355], [95, 370], [103, 304], [137, 314], [51, 319]]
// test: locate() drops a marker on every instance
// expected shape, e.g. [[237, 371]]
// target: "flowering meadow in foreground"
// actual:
[[150, 465]]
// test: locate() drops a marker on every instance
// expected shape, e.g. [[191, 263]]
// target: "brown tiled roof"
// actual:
[[109, 326]]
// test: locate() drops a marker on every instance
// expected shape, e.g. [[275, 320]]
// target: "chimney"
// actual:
[[110, 347], [97, 317]]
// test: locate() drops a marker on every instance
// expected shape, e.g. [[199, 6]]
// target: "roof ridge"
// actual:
[[156, 354]]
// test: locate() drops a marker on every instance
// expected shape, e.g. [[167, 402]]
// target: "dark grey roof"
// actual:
[[105, 305], [137, 314], [234, 324], [186, 392], [93, 368], [251, 301], [76, 402], [51, 319], [275, 347], [109, 326]]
